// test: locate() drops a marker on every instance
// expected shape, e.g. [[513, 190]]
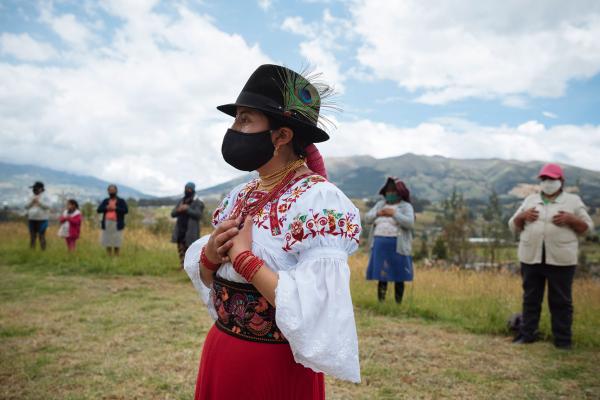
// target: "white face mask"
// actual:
[[550, 186]]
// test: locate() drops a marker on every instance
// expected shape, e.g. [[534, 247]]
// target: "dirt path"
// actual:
[[140, 337]]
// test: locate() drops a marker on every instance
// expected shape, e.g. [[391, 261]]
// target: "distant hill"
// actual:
[[434, 177], [429, 178], [15, 181]]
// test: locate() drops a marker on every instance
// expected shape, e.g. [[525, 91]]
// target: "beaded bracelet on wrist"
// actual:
[[206, 262], [247, 265]]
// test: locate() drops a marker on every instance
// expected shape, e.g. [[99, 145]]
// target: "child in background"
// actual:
[[70, 224]]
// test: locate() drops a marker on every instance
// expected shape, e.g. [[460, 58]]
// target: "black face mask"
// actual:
[[247, 151], [188, 193], [112, 195]]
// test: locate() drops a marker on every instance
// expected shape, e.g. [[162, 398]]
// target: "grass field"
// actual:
[[84, 326]]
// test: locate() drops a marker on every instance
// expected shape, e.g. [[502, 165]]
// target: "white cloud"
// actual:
[[451, 50], [549, 114], [265, 5], [140, 112], [67, 27], [25, 48], [321, 43], [576, 145]]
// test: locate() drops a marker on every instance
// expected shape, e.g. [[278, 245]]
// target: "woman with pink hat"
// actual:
[[549, 224], [274, 273]]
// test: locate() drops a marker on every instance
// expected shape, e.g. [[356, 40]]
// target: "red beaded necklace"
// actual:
[[247, 207]]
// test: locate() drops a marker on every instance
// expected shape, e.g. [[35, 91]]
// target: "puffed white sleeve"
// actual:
[[313, 302], [191, 262]]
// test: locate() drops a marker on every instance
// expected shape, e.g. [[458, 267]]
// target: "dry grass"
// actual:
[[479, 302], [140, 338], [82, 327]]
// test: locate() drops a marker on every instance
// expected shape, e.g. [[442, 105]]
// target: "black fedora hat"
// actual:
[[288, 97], [37, 185]]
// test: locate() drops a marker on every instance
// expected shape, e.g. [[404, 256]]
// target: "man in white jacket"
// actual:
[[37, 215], [549, 224]]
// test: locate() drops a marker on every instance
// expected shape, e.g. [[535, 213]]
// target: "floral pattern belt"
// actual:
[[244, 313]]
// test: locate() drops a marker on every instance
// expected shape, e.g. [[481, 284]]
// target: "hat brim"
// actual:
[[387, 181], [550, 175], [311, 133]]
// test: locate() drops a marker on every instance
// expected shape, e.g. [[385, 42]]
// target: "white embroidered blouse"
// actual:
[[305, 236]]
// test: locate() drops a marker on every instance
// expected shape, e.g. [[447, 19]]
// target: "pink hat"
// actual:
[[553, 171]]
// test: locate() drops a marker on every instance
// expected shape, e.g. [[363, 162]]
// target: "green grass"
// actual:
[[143, 253], [478, 302]]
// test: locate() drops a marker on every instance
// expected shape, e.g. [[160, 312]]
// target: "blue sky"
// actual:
[[125, 90]]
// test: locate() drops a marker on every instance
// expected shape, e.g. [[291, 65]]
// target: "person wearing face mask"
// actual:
[[390, 239], [274, 273], [38, 209], [188, 212], [113, 210], [549, 224]]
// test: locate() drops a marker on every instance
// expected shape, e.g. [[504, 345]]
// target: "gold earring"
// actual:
[[276, 152]]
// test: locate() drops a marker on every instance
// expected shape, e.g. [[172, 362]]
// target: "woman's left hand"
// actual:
[[563, 218], [242, 241]]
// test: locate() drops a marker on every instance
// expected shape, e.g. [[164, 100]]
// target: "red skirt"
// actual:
[[232, 368]]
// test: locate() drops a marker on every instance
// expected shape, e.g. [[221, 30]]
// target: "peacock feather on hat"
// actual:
[[305, 95]]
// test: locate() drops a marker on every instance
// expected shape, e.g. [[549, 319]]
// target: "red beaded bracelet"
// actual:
[[206, 262], [247, 265], [251, 268], [241, 258]]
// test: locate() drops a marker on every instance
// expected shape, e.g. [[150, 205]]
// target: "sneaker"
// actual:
[[520, 339]]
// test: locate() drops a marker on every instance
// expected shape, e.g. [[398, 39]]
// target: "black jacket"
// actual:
[[121, 211], [194, 212]]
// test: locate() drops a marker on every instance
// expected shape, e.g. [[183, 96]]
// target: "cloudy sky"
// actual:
[[126, 90]]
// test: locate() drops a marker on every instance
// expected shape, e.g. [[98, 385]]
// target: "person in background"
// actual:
[[549, 223], [113, 210], [390, 239], [38, 209], [70, 224], [188, 212]]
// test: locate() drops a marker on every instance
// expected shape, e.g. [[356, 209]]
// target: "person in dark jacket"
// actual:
[[113, 210], [188, 212]]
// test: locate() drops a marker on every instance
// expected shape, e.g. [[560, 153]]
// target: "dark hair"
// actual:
[[112, 185], [298, 143], [74, 202]]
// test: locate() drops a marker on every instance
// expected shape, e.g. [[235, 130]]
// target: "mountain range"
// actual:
[[15, 180], [430, 178], [434, 178]]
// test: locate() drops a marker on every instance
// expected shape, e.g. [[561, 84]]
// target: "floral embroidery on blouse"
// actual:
[[317, 223], [216, 218], [273, 215], [288, 198], [219, 214]]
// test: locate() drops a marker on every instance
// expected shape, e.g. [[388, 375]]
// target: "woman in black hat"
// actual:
[[274, 272]]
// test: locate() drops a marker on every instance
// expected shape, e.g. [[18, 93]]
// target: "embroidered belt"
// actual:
[[244, 313]]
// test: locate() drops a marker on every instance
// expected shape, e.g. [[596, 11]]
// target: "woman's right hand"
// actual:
[[529, 215], [220, 242], [386, 212]]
